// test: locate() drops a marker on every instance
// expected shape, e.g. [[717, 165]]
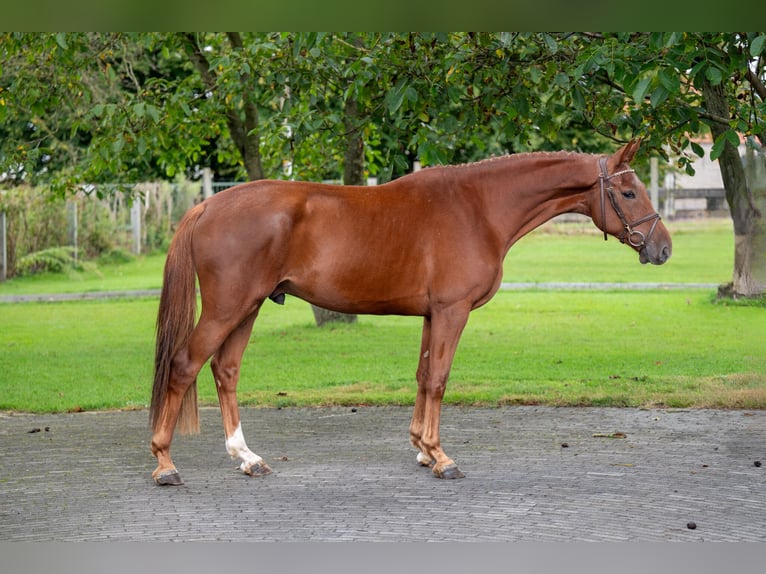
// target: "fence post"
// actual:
[[670, 185], [3, 248], [135, 224], [71, 208], [207, 182]]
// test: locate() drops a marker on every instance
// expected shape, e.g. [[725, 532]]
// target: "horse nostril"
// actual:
[[665, 254]]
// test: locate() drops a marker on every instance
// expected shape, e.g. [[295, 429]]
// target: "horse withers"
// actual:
[[429, 244]]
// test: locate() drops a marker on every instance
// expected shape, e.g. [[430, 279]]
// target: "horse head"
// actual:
[[621, 207]]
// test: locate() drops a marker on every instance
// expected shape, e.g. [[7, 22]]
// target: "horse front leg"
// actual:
[[436, 361], [226, 366], [418, 412]]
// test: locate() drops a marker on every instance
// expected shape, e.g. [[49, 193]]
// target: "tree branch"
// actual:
[[247, 138], [199, 60], [714, 118], [239, 130]]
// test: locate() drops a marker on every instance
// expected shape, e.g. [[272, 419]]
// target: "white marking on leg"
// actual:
[[237, 448], [424, 459]]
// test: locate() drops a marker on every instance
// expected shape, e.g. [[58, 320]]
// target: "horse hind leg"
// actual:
[[166, 473], [207, 336], [226, 369], [185, 367]]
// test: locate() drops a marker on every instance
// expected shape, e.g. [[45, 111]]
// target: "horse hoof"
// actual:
[[450, 471], [258, 469], [169, 478]]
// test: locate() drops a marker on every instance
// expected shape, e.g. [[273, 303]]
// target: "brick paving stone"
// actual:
[[352, 476]]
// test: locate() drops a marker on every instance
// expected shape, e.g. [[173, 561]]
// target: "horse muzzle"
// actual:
[[655, 253]]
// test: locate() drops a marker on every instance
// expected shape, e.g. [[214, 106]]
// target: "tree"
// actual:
[[241, 113], [667, 87], [80, 108], [127, 107]]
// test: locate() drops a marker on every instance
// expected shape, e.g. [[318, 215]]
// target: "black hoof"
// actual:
[[169, 478], [451, 471], [260, 469]]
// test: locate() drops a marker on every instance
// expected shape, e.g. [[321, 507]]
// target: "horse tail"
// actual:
[[175, 323]]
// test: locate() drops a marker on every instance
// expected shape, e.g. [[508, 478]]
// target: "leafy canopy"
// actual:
[[103, 107]]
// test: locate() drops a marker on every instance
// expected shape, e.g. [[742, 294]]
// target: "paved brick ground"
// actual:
[[343, 475]]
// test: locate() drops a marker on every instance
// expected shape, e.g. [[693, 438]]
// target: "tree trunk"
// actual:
[[244, 130], [750, 279], [243, 126], [353, 174], [749, 227], [245, 135], [353, 158], [324, 316]]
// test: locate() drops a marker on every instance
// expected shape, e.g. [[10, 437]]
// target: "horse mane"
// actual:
[[511, 157]]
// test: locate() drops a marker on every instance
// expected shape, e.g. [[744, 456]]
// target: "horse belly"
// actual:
[[359, 289], [358, 274]]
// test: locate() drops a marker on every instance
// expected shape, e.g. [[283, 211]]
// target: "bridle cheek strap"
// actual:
[[603, 178], [628, 228]]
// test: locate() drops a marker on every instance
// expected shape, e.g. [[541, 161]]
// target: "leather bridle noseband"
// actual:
[[629, 232]]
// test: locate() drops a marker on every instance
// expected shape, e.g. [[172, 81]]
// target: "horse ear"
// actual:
[[627, 152]]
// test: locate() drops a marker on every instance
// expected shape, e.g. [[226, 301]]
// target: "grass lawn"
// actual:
[[703, 252], [143, 272], [673, 348], [561, 348]]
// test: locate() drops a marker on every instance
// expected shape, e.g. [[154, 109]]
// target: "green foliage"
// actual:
[[96, 228], [92, 107], [115, 257], [53, 259], [164, 204], [38, 225], [34, 223]]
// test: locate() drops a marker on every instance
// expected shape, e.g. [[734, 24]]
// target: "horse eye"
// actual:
[[629, 195]]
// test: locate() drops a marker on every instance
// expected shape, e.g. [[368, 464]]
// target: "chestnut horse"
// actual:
[[429, 244]]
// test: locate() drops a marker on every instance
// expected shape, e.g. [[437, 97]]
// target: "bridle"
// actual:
[[629, 232]]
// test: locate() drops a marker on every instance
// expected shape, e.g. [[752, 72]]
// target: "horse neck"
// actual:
[[524, 191]]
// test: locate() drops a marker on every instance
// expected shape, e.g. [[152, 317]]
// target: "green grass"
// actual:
[[560, 348], [143, 272], [673, 348], [703, 252]]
